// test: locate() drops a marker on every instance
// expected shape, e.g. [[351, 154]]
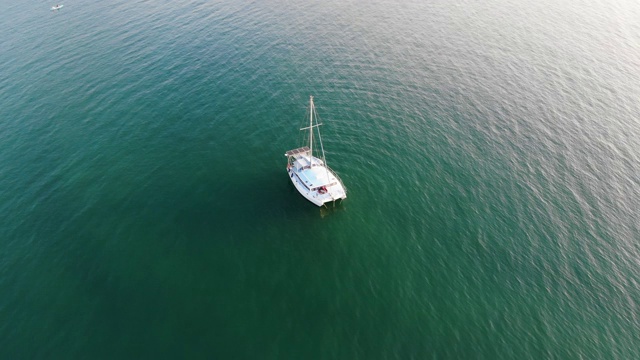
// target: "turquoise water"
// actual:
[[491, 152]]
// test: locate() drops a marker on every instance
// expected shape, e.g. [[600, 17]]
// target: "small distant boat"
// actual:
[[57, 7], [311, 176]]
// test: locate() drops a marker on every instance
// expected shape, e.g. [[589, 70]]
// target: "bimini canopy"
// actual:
[[299, 151]]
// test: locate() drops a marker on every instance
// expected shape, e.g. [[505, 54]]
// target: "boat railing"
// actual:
[[340, 180]]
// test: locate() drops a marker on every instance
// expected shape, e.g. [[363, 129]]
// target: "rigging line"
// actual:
[[324, 159]]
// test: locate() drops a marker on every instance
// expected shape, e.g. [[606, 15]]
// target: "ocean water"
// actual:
[[491, 151]]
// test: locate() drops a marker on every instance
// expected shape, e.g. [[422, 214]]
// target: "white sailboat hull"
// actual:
[[334, 191], [311, 176]]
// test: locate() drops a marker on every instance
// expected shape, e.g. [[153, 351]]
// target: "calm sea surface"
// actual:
[[491, 151]]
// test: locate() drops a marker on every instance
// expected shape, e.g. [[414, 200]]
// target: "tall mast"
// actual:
[[310, 131]]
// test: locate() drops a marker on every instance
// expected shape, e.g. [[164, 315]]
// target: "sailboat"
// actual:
[[311, 175]]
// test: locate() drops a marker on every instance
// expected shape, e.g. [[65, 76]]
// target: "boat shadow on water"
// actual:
[[332, 208]]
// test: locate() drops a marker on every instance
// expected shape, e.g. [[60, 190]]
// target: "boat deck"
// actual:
[[318, 184]]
